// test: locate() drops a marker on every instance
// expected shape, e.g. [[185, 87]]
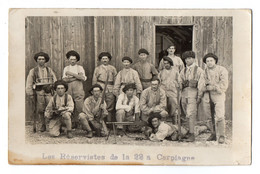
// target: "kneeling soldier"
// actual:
[[91, 112], [192, 78], [59, 110], [127, 106]]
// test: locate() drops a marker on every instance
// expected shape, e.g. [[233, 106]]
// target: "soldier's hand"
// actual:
[[128, 108], [198, 100], [102, 106], [210, 88]]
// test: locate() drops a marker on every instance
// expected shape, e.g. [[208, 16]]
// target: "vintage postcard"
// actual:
[[130, 86]]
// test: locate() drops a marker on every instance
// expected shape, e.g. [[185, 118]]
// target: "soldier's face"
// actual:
[[171, 50], [60, 90], [73, 60], [41, 60], [104, 60], [130, 92], [210, 61], [126, 64], [155, 122], [167, 65], [143, 56], [96, 92], [154, 85], [189, 61]]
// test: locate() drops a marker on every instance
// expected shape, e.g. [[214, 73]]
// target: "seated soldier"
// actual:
[[153, 99], [59, 110], [127, 106], [91, 112]]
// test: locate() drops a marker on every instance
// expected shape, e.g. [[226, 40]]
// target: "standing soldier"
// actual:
[[90, 115], [106, 73], [177, 62], [127, 75], [39, 82], [170, 83], [59, 110], [192, 78], [153, 100], [145, 69], [74, 75], [216, 78]]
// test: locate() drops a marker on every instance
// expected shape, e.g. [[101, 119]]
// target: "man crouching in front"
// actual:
[[59, 110]]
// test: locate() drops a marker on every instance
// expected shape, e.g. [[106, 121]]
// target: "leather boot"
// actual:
[[69, 134], [89, 134], [43, 128], [191, 138], [212, 137], [221, 139]]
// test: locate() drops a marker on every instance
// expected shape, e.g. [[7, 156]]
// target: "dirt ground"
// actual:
[[80, 138]]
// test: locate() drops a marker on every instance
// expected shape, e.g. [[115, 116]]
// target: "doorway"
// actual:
[[179, 35]]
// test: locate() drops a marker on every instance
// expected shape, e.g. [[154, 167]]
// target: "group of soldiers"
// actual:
[[138, 93]]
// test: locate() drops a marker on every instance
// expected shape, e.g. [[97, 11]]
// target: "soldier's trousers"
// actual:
[[189, 106], [219, 102], [110, 100], [163, 114], [42, 101], [77, 93], [56, 123], [87, 123], [122, 116], [172, 106]]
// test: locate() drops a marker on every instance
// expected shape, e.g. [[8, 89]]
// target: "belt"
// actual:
[[108, 82], [145, 80]]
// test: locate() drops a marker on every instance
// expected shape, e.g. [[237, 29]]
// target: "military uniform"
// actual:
[[218, 78], [146, 71], [192, 78], [124, 77], [40, 75], [90, 113], [100, 77], [56, 121], [153, 100], [170, 83], [126, 108]]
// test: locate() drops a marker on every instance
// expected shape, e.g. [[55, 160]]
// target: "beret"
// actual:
[[95, 86], [165, 58], [73, 53], [129, 86], [210, 55], [127, 58], [60, 82], [153, 115], [187, 54], [45, 55], [142, 50], [104, 54]]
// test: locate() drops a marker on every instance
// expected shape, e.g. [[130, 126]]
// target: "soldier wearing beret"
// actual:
[[102, 73], [145, 69], [159, 130], [127, 75], [170, 83], [59, 110], [74, 75], [127, 106], [216, 80], [177, 62], [89, 117], [39, 82], [192, 79]]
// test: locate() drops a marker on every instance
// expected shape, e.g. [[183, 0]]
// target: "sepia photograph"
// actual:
[[142, 87]]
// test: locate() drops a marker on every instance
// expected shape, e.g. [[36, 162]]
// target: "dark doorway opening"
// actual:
[[180, 35]]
